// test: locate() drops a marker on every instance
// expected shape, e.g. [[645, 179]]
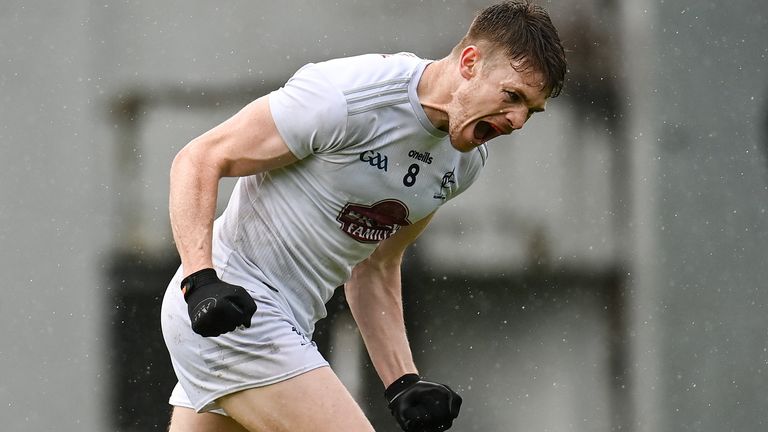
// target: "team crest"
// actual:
[[448, 180], [374, 223]]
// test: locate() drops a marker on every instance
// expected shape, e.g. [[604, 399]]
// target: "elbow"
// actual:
[[350, 291], [181, 160], [194, 160]]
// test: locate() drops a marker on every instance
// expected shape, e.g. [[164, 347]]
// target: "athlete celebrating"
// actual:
[[339, 171]]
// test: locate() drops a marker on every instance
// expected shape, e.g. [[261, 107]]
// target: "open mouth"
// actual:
[[485, 131]]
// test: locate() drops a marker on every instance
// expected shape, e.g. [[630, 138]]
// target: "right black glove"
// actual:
[[214, 306], [422, 406]]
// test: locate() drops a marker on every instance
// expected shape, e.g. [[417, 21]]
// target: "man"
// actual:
[[340, 170]]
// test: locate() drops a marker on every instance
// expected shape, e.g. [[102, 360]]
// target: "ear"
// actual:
[[468, 61]]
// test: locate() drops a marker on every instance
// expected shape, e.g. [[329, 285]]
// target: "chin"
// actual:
[[460, 146], [464, 145]]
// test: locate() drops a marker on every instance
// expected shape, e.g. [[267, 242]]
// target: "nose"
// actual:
[[517, 118]]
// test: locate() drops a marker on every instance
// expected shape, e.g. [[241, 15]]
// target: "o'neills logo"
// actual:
[[424, 157], [372, 224]]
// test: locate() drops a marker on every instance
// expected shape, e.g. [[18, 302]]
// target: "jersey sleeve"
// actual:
[[310, 113]]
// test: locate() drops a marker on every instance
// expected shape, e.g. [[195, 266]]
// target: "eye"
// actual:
[[512, 96]]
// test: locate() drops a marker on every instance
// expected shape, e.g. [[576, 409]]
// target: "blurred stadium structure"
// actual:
[[603, 275]]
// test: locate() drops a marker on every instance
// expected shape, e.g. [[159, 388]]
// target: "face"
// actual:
[[494, 99]]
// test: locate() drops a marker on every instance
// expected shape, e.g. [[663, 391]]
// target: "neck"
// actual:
[[435, 92]]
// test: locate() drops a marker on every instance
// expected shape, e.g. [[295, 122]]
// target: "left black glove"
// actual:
[[422, 406], [214, 306]]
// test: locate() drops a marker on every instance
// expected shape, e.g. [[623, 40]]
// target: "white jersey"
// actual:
[[370, 162]]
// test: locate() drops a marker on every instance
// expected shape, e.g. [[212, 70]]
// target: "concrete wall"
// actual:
[[712, 100], [54, 190]]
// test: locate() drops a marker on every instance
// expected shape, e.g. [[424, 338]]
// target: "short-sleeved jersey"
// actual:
[[370, 162]]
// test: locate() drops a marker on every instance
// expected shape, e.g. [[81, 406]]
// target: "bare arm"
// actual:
[[244, 144], [374, 294]]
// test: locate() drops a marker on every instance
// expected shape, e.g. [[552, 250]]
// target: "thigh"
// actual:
[[270, 350], [187, 420], [315, 401]]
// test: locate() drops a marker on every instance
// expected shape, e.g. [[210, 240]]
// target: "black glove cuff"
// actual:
[[400, 384], [200, 277]]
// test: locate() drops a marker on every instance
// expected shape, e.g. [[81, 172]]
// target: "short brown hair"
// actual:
[[524, 32]]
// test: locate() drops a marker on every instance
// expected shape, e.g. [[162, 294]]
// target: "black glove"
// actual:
[[214, 306], [422, 406]]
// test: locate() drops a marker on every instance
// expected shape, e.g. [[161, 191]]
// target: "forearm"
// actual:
[[192, 206], [375, 298]]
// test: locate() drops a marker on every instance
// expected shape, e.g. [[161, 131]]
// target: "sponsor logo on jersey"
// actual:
[[424, 157], [448, 179], [374, 159], [374, 223]]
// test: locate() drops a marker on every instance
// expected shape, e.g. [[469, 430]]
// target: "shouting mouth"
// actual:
[[485, 131]]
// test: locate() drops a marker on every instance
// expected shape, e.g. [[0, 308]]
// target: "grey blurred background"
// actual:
[[608, 272]]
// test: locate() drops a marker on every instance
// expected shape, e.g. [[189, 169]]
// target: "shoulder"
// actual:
[[309, 111], [474, 160], [334, 84], [470, 166], [351, 74], [317, 109]]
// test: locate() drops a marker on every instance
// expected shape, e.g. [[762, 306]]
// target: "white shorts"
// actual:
[[273, 349]]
